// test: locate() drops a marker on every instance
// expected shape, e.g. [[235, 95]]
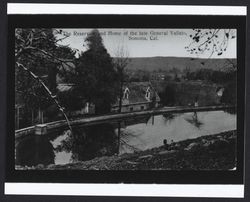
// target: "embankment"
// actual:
[[212, 152]]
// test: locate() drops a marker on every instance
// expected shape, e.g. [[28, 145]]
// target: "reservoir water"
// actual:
[[147, 134], [177, 127]]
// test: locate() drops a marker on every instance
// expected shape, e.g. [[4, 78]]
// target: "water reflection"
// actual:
[[83, 144], [88, 142], [194, 120], [34, 150], [169, 117], [136, 134], [177, 127], [62, 156]]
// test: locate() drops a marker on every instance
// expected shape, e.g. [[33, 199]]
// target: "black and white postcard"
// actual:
[[126, 98]]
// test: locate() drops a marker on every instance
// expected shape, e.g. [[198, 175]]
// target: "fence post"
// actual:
[[41, 129]]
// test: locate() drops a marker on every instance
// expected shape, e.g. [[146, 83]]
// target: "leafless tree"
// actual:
[[121, 60], [28, 47], [212, 41]]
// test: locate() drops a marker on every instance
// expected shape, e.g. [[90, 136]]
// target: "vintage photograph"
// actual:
[[125, 99]]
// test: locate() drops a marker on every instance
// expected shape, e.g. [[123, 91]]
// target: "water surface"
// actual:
[[177, 127], [135, 137]]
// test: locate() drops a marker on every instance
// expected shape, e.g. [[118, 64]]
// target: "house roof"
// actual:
[[67, 66], [65, 87], [137, 92]]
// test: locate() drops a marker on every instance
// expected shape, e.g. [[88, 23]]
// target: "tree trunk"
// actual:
[[119, 111], [42, 116], [39, 115], [32, 116], [120, 97]]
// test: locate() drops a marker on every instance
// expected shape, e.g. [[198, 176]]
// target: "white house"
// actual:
[[137, 96]]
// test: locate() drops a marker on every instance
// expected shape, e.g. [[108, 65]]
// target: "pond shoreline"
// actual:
[[211, 152]]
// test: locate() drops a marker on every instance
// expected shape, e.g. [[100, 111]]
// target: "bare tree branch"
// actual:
[[121, 60], [210, 40], [53, 97]]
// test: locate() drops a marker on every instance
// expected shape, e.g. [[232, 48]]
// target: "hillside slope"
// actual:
[[167, 63]]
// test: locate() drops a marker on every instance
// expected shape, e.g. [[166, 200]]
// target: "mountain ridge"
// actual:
[[181, 63]]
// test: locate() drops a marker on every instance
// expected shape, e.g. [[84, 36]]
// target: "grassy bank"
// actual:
[[212, 152]]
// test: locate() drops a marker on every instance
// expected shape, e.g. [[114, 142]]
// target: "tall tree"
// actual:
[[96, 78]]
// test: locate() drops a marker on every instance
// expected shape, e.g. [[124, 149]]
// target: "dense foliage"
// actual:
[[37, 61], [91, 141], [211, 75], [96, 79]]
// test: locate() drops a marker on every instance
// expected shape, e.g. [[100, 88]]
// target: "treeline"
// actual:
[[174, 74], [202, 85], [211, 75], [138, 75]]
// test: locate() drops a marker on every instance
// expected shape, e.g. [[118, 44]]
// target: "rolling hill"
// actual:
[[167, 63]]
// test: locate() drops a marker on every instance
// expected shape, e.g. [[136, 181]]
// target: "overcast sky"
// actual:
[[145, 42]]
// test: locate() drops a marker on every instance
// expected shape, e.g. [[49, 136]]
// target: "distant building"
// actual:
[[137, 96], [156, 76], [166, 76], [220, 91]]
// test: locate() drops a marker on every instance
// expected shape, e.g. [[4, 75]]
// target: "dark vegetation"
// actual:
[[213, 76], [96, 78], [202, 84], [185, 93], [181, 80], [34, 150], [230, 94], [84, 143], [39, 59], [212, 152], [90, 142]]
